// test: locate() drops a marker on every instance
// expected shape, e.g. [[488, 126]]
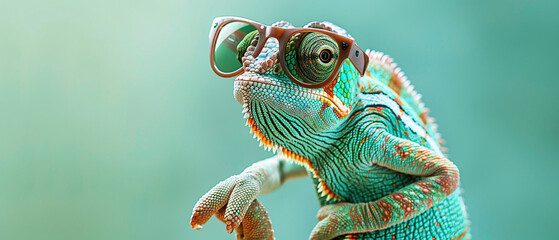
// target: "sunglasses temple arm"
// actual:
[[359, 59]]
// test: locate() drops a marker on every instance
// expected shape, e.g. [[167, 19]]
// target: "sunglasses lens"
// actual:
[[231, 44], [311, 57]]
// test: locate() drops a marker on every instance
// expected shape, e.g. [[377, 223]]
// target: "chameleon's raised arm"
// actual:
[[232, 198], [440, 180]]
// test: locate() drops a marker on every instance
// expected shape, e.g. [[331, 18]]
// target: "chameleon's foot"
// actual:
[[256, 224], [230, 200]]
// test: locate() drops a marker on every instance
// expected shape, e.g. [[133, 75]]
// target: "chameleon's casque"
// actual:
[[364, 137]]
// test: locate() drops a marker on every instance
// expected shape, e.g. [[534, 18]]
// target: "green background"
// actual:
[[112, 123]]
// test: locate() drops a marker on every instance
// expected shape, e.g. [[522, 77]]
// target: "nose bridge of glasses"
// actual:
[[267, 57], [275, 32]]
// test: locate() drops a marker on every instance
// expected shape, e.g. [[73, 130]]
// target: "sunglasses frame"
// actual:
[[347, 47]]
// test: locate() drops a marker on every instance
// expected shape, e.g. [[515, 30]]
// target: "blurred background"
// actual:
[[112, 123]]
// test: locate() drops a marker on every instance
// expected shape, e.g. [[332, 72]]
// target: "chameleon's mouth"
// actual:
[[249, 80], [252, 80]]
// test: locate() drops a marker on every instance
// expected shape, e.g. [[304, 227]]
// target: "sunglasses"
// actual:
[[310, 57]]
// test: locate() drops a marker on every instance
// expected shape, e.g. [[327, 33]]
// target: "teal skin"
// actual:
[[377, 175]]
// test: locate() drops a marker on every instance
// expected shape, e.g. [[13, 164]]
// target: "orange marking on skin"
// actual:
[[365, 139], [351, 237], [398, 101], [368, 74], [378, 109], [395, 83], [330, 88], [354, 218], [462, 235], [356, 113], [404, 202], [386, 210], [423, 117], [339, 107]]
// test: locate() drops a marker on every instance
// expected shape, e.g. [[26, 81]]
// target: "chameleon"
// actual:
[[375, 157]]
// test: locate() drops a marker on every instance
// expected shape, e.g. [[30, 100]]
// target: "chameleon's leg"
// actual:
[[256, 223], [236, 193], [440, 180]]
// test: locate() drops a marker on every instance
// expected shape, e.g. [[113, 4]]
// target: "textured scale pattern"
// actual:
[[374, 154]]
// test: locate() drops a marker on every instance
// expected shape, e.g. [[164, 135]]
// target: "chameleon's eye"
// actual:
[[311, 57]]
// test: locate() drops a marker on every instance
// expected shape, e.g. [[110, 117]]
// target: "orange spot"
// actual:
[[356, 113], [398, 101], [395, 83], [364, 139], [423, 117], [462, 235]]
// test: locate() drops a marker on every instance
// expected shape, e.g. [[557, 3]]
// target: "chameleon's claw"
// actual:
[[229, 228], [232, 222], [197, 226]]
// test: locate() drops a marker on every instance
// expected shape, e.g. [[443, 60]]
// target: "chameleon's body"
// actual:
[[367, 142]]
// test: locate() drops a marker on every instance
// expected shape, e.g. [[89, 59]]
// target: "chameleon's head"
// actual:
[[283, 110]]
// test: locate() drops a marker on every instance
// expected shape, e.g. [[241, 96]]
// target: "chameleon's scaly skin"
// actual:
[[373, 153]]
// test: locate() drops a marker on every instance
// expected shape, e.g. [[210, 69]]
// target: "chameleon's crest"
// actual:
[[328, 26], [284, 24]]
